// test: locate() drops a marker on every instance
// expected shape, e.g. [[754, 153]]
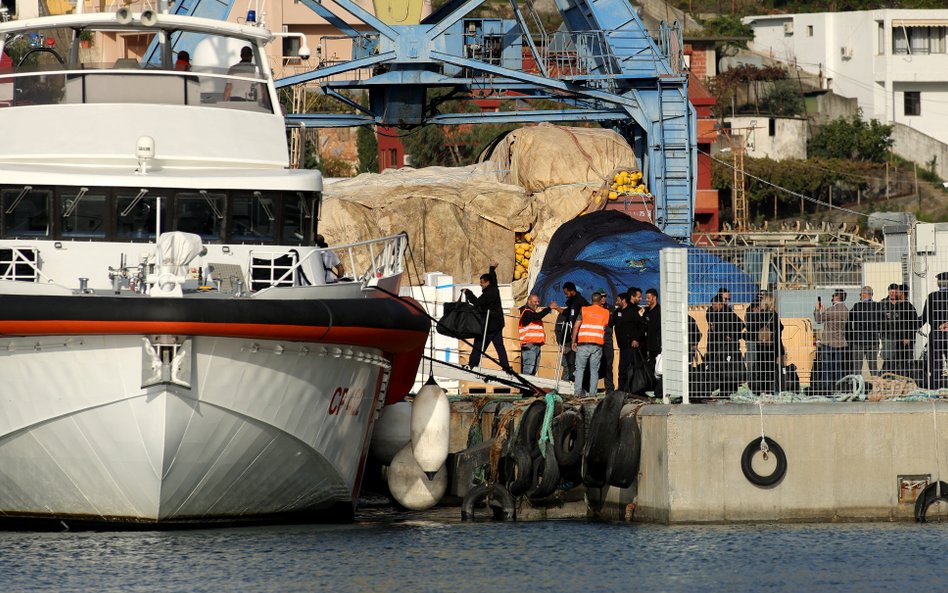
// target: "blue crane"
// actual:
[[602, 65]]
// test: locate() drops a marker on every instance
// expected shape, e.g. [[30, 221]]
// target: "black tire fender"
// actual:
[[546, 475], [518, 469], [604, 429], [569, 438], [624, 464], [927, 498], [747, 459], [528, 432], [493, 496]]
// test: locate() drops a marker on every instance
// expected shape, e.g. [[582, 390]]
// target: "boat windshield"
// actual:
[[67, 66]]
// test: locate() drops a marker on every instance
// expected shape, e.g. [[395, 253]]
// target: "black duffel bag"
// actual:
[[461, 320]]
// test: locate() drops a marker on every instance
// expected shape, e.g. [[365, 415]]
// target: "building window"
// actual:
[[880, 38], [809, 30], [918, 40], [772, 127], [913, 103]]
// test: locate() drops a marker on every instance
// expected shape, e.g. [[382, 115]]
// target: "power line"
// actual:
[[799, 195]]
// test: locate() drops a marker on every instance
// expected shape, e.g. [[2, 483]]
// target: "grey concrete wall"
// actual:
[[843, 461], [920, 148], [829, 106]]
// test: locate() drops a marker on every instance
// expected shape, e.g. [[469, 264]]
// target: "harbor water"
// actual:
[[416, 553]]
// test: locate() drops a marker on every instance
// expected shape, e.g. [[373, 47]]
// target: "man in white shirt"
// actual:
[[331, 262], [242, 90]]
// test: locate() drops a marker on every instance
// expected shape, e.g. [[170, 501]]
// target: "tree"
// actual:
[[785, 99], [368, 147], [852, 138]]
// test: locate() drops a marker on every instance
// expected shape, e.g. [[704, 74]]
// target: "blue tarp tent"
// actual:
[[610, 250]]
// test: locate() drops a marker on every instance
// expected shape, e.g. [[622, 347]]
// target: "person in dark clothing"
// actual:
[[490, 306], [899, 324], [763, 337], [862, 334], [564, 326], [653, 328], [725, 330], [621, 320], [935, 315]]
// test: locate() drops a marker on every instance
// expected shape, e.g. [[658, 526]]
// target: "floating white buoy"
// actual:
[[410, 485], [430, 427], [392, 432]]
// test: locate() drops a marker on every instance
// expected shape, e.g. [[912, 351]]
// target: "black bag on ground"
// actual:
[[640, 377], [461, 320], [790, 379]]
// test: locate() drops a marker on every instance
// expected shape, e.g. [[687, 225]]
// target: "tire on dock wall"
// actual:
[[927, 498], [747, 459], [624, 462], [569, 438], [493, 496], [546, 475], [601, 439]]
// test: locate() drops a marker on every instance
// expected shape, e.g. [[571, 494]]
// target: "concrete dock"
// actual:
[[860, 461]]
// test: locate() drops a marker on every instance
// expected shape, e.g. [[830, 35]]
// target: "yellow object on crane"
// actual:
[[398, 12]]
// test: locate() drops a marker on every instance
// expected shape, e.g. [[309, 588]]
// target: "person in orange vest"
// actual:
[[589, 334], [532, 336]]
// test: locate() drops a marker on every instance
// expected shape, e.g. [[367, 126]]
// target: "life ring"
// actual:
[[546, 475], [518, 469], [624, 463], [569, 438], [493, 496], [927, 498], [747, 459], [602, 432]]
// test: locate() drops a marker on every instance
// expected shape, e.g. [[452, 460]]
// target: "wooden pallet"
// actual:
[[472, 388]]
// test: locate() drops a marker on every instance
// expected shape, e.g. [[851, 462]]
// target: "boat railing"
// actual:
[[375, 259], [209, 87]]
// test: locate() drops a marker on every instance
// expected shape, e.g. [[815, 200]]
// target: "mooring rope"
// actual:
[[546, 431]]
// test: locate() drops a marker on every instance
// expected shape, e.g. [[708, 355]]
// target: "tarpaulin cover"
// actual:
[[610, 250]]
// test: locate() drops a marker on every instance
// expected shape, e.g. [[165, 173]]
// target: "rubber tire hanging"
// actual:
[[495, 497], [624, 462], [569, 438], [747, 466], [927, 498]]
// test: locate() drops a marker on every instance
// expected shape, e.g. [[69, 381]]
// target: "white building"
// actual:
[[894, 62]]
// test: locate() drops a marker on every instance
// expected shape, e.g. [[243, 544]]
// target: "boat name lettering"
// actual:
[[345, 401]]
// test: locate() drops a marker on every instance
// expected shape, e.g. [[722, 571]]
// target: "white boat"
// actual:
[[170, 347]]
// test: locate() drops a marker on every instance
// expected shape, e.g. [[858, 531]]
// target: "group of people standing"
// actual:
[[589, 334], [885, 329]]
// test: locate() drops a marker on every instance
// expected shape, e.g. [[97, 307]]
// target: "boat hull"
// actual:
[[266, 429]]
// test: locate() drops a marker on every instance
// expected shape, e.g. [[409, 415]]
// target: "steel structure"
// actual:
[[602, 65]]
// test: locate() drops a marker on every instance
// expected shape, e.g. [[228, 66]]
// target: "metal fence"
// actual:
[[808, 321]]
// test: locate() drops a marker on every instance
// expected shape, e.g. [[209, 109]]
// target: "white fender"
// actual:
[[410, 486], [430, 426], [392, 432]]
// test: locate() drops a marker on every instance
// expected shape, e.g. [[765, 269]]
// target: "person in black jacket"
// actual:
[[863, 332], [935, 315], [653, 328], [899, 324], [490, 306], [564, 326]]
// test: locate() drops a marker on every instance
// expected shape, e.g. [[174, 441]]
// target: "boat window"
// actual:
[[84, 213], [135, 215], [25, 212], [295, 219], [201, 213], [253, 218]]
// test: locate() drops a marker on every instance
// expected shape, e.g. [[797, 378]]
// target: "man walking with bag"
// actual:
[[490, 306]]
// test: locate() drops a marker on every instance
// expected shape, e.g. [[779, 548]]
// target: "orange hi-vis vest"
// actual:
[[531, 333], [592, 329]]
